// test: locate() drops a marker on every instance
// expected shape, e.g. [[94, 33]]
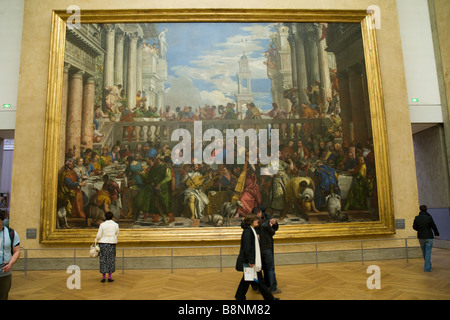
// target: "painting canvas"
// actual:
[[4, 200], [192, 125]]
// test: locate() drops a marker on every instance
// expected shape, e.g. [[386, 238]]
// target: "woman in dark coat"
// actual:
[[250, 254]]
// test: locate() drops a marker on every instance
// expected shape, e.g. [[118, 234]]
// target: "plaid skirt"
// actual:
[[107, 257]]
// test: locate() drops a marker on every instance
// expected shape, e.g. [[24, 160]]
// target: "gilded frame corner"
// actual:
[[50, 234]]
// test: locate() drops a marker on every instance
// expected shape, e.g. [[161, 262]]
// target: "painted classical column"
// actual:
[[159, 101], [87, 129], [293, 60], [358, 104], [325, 80], [302, 77], [108, 71], [74, 109], [118, 60], [285, 66], [313, 56], [131, 71], [152, 100], [139, 66], [62, 136], [366, 93], [346, 108]]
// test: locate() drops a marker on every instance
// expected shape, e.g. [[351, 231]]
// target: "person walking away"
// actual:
[[9, 254], [250, 254], [266, 230], [425, 226], [107, 234]]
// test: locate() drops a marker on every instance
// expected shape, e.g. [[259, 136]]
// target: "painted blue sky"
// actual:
[[203, 61]]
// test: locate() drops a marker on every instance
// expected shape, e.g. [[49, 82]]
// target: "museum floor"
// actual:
[[400, 280]]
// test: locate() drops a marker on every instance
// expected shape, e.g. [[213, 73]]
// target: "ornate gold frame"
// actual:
[[48, 231]]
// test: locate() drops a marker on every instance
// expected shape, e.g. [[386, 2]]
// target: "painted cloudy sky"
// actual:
[[203, 61]]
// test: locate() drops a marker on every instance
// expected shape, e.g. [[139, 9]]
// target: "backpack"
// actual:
[[11, 236]]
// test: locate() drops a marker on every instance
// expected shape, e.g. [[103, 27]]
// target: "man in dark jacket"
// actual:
[[425, 226], [266, 230]]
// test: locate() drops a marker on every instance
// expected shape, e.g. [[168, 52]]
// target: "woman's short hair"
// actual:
[[248, 220]]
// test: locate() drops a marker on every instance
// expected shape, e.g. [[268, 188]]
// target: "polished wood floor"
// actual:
[[400, 280]]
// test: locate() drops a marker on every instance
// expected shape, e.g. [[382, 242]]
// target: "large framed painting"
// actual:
[[181, 122]]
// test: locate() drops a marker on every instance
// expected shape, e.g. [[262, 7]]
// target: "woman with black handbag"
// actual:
[[107, 234]]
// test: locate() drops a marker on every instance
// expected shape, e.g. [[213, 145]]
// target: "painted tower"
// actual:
[[244, 94]]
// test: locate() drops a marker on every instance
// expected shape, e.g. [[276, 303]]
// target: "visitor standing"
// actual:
[[107, 234], [425, 226], [9, 254]]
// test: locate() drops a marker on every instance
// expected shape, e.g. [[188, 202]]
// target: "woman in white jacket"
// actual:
[[107, 239]]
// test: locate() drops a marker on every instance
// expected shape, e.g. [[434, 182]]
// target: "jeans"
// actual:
[[426, 245], [268, 263]]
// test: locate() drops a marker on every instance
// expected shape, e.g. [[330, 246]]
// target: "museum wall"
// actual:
[[431, 167], [439, 11], [30, 123]]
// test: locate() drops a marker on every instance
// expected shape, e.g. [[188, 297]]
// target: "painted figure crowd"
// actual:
[[145, 183]]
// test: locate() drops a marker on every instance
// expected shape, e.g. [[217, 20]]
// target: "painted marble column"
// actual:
[[118, 60], [62, 136], [312, 52], [74, 109], [285, 66], [140, 47], [358, 105], [302, 77], [131, 78], [87, 124], [325, 80], [108, 71], [346, 108], [293, 60]]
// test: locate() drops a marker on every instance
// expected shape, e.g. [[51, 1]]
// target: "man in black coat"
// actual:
[[266, 230], [425, 226]]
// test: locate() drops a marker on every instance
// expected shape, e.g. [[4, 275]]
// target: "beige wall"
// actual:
[[440, 11], [29, 135], [431, 167]]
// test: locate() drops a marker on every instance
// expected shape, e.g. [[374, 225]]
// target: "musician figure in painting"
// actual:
[[194, 196]]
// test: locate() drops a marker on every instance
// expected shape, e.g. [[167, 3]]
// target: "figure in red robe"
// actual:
[[250, 197]]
